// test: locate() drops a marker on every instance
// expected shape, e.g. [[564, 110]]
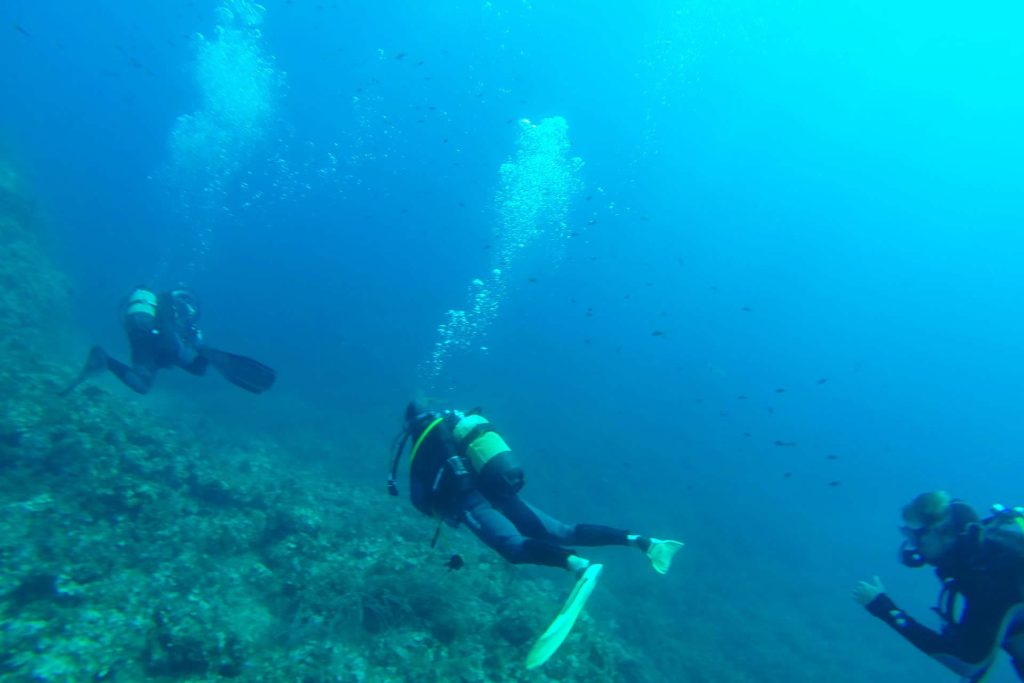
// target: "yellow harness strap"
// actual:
[[422, 436]]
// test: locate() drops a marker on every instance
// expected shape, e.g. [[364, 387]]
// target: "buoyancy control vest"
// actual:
[[993, 546]]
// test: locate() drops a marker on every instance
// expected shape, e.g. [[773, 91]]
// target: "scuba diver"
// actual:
[[163, 333], [461, 471], [981, 566]]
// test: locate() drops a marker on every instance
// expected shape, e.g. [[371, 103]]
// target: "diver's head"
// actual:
[[412, 411], [932, 523]]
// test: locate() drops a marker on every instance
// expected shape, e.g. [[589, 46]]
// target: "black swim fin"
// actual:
[[243, 372], [96, 362]]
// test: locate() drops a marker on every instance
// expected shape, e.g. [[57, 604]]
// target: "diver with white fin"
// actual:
[[461, 471], [163, 333]]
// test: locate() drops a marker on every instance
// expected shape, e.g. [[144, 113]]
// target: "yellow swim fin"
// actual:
[[556, 633], [660, 553]]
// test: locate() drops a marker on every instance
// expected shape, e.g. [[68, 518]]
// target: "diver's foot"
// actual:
[[577, 565], [660, 554], [96, 361]]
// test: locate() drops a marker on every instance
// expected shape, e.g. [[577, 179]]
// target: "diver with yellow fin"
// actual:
[[462, 471]]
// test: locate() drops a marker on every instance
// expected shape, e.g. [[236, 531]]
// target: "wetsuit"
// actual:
[[172, 340], [989, 577], [443, 484]]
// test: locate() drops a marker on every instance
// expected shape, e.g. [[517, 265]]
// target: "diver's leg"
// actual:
[[534, 523], [96, 361], [496, 531], [138, 378]]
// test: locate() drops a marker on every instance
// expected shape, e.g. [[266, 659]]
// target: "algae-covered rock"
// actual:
[[34, 294]]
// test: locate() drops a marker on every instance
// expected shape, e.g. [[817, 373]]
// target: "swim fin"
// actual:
[[661, 552], [96, 362], [558, 631], [243, 372]]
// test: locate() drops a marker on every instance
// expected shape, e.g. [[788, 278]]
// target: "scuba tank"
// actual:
[[140, 312], [498, 472]]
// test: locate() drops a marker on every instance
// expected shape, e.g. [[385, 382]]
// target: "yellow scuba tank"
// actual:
[[141, 301], [140, 311], [497, 469]]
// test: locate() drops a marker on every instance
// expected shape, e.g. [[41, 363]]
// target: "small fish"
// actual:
[[658, 333], [531, 279], [747, 309], [822, 380], [741, 397], [787, 475], [786, 444], [591, 221], [780, 391], [746, 433], [400, 56], [834, 483], [22, 31], [831, 456]]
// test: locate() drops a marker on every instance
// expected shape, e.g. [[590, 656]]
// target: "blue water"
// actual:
[[795, 222]]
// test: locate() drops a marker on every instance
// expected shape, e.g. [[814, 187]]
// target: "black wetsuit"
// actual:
[[172, 340], [989, 578], [519, 532]]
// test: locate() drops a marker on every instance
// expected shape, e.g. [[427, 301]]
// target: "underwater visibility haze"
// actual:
[[746, 275]]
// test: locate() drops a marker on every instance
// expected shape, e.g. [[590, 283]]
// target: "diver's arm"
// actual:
[[967, 645], [923, 638]]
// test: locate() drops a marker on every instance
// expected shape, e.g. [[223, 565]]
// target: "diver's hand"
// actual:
[[865, 592]]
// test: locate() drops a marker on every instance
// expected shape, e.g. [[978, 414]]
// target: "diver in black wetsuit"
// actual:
[[163, 333], [981, 565], [462, 471]]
